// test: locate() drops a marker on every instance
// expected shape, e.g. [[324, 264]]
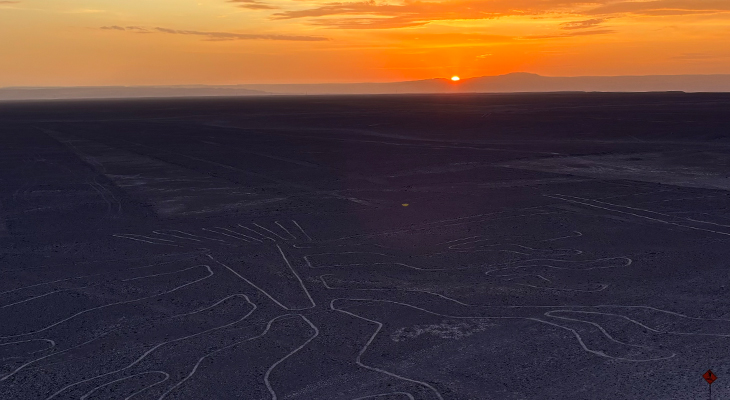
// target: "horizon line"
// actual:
[[461, 81]]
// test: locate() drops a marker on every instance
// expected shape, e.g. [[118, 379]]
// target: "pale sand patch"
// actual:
[[686, 169]]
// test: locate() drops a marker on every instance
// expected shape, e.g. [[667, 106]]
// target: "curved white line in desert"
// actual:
[[210, 273], [586, 202], [31, 362], [512, 277], [327, 286], [47, 294], [575, 333], [633, 321], [375, 396], [136, 238], [312, 266], [267, 376], [83, 287], [80, 277], [574, 235], [597, 352], [597, 325], [48, 283], [524, 264], [443, 223], [157, 346], [166, 376], [264, 292], [628, 261], [470, 245], [266, 331], [49, 341], [201, 359], [359, 362], [285, 230], [601, 288]]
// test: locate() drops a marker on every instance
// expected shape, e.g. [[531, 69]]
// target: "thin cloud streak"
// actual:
[[664, 7], [376, 15], [590, 23], [570, 34], [252, 5], [412, 13], [216, 36]]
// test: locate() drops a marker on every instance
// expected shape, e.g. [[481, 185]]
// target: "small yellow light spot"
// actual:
[[455, 78], [405, 204]]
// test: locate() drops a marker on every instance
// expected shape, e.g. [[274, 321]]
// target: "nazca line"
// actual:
[[84, 287], [157, 346], [410, 396], [265, 293], [135, 237], [210, 273], [51, 342], [92, 391], [358, 360], [441, 223], [256, 232], [271, 232], [302, 229], [585, 202], [604, 332], [645, 326], [285, 230], [575, 333], [188, 236], [327, 286], [268, 372], [145, 258], [84, 276], [239, 236], [628, 261], [218, 230], [310, 265], [108, 333]]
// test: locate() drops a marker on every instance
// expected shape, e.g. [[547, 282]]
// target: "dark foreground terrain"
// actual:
[[565, 246]]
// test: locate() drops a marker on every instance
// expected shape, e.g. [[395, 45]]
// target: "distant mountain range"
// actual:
[[121, 92], [509, 83]]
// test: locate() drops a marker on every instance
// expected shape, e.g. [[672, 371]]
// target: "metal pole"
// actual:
[[710, 391]]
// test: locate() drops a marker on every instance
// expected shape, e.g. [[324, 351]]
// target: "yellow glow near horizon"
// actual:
[[455, 78], [160, 42]]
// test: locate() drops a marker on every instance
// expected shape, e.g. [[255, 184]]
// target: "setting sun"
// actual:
[[455, 78]]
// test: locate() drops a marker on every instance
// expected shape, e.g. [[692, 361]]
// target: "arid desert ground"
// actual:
[[552, 246]]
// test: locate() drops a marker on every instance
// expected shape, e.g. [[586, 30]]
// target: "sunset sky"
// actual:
[[148, 42]]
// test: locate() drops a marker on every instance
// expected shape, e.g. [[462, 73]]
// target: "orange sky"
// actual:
[[145, 42]]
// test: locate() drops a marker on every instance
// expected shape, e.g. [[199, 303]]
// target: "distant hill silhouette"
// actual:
[[121, 92], [519, 82], [524, 82], [509, 83]]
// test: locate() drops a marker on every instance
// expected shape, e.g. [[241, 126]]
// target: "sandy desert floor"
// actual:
[[556, 246]]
